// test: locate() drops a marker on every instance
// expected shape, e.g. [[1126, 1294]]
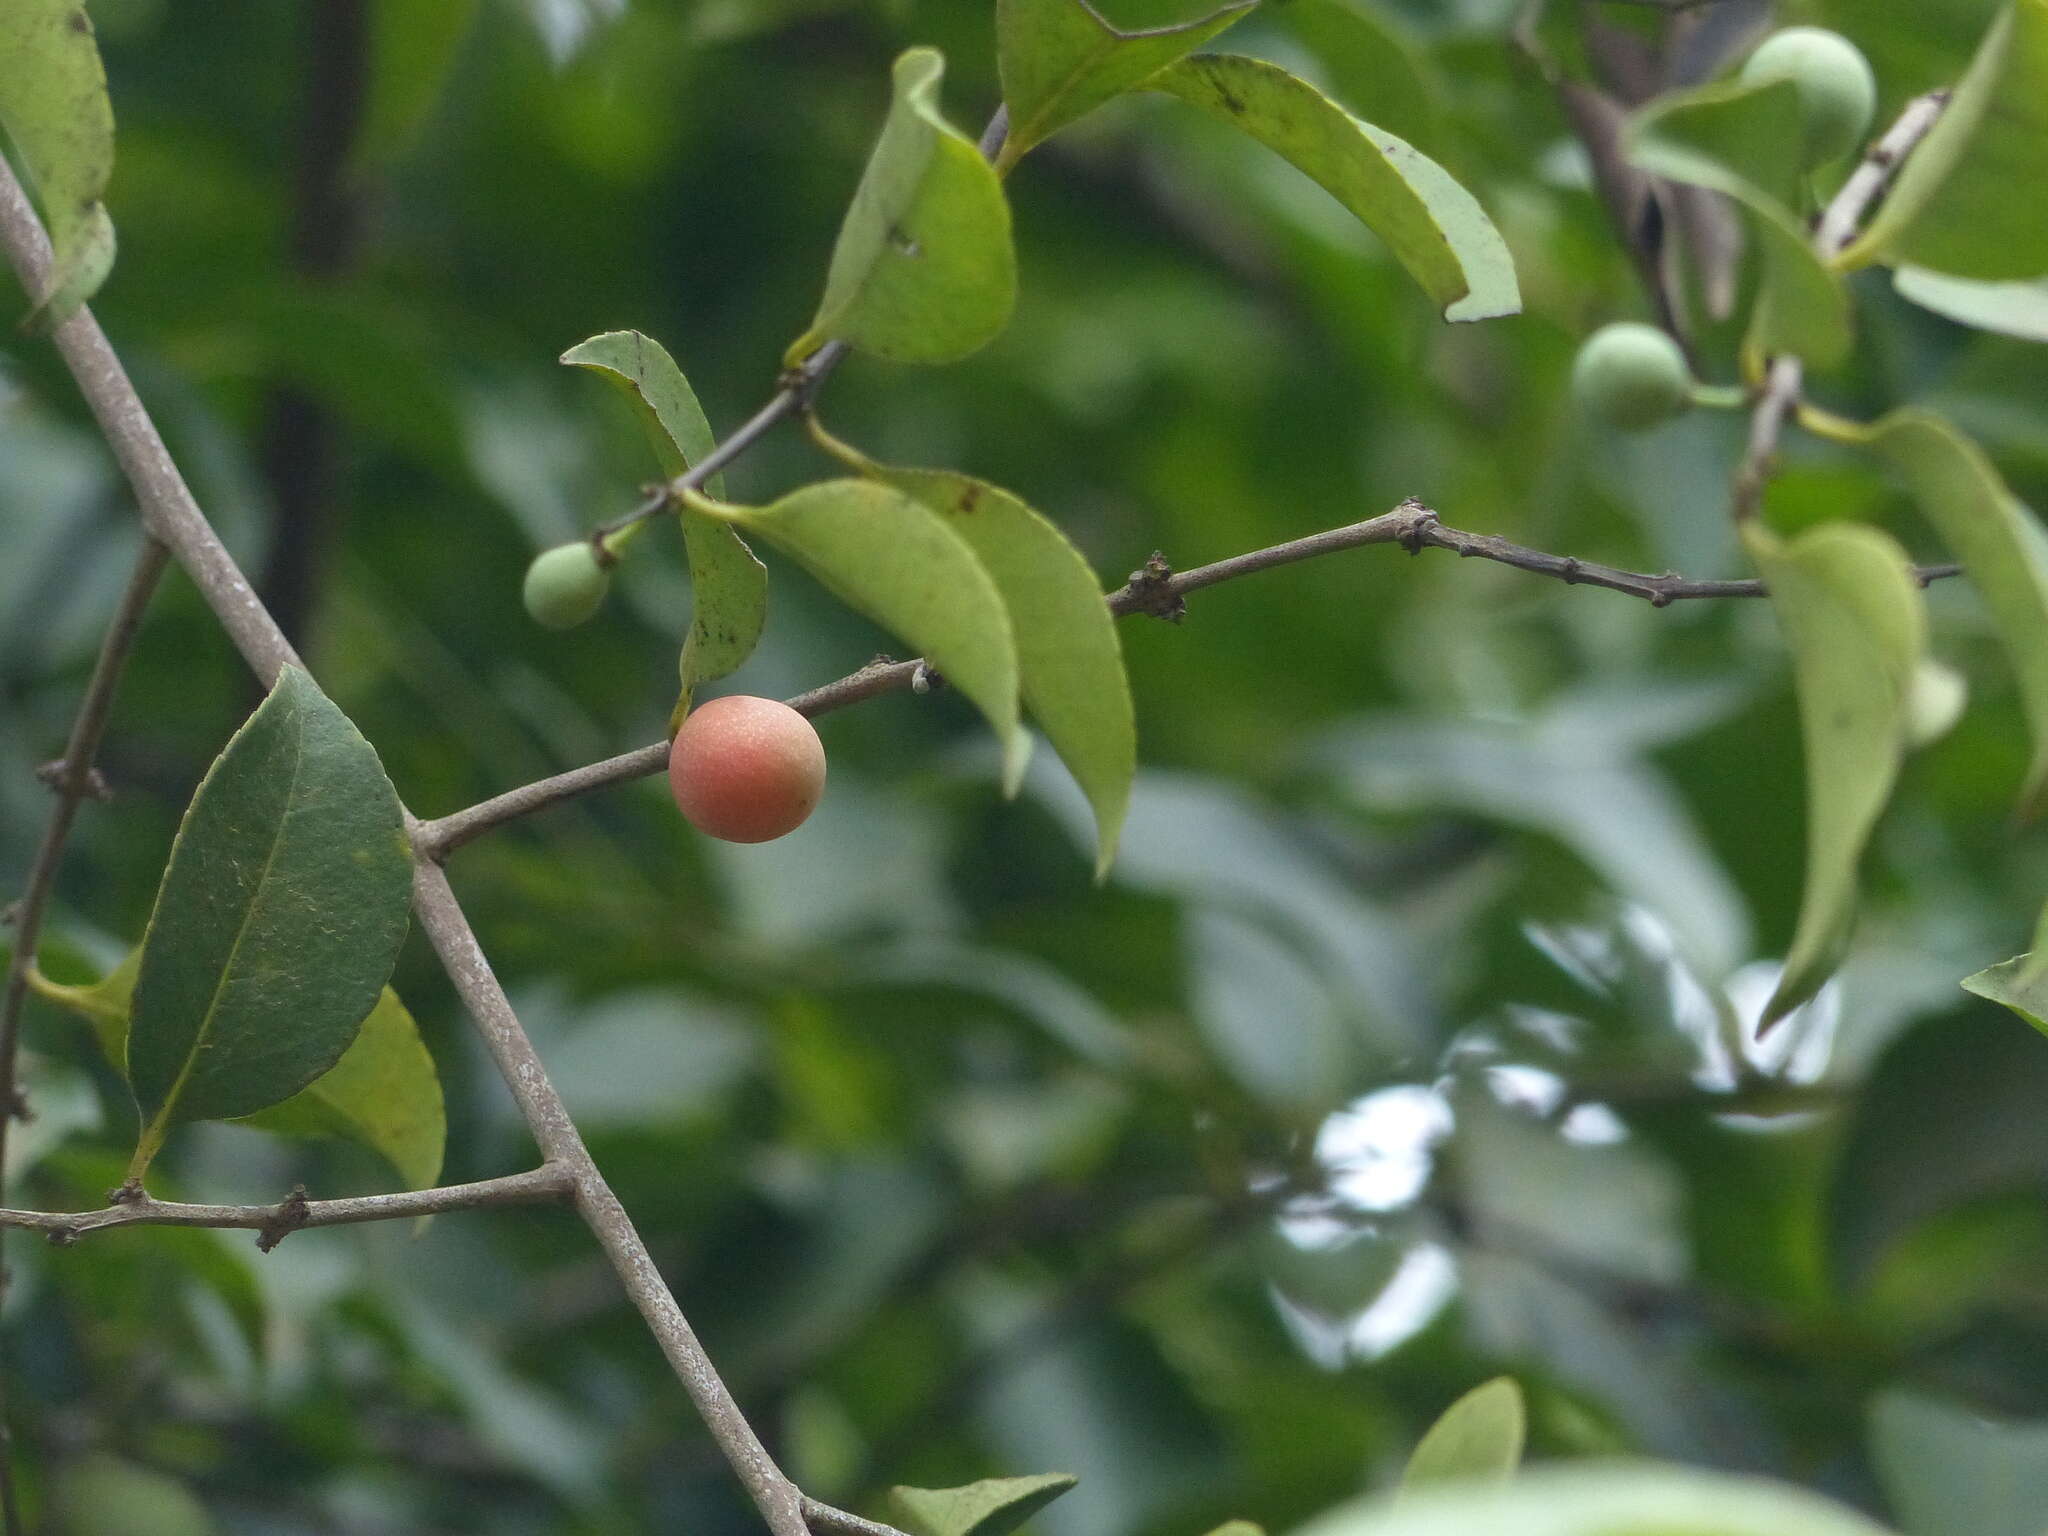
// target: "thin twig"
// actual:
[[827, 1521], [1155, 589], [1786, 375], [546, 1184]]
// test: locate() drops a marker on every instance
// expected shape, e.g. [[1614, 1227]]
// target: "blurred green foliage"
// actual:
[[1403, 1048]]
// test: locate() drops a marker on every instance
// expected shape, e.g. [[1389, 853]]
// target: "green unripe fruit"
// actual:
[[565, 585], [1837, 91], [1631, 376]]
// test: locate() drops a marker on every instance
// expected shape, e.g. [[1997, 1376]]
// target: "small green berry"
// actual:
[[565, 585], [1631, 376], [1837, 91]]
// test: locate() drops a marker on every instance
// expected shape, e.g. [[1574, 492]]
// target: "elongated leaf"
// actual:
[[383, 1093], [1967, 201], [1061, 59], [1372, 61], [1478, 1438], [994, 1506], [1856, 626], [924, 271], [2020, 983], [1070, 663], [2011, 309], [1612, 1499], [1434, 227], [53, 103], [729, 587], [2000, 543], [1742, 140], [904, 566], [277, 922], [412, 50]]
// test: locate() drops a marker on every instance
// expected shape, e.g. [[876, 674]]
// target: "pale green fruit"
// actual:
[[565, 585], [1631, 376], [1837, 91]]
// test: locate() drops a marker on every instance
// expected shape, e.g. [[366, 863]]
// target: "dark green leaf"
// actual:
[[1477, 1438], [1434, 227], [994, 1506], [53, 103], [277, 922], [1857, 627], [2011, 309], [1062, 59], [1742, 140], [1966, 202], [1070, 664], [906, 568], [2000, 543], [729, 587], [1372, 62], [924, 271]]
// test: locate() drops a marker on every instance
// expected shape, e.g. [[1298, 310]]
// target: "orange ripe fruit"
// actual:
[[746, 769]]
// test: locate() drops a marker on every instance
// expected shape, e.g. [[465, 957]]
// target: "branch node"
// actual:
[[129, 1193], [925, 678], [1568, 572], [61, 1237], [291, 1215], [19, 1108], [1151, 590], [56, 776]]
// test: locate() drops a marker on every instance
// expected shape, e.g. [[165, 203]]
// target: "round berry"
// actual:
[[1631, 376], [565, 585], [1837, 91], [746, 769]]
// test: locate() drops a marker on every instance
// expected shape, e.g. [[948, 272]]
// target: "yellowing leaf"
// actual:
[[1477, 1438], [1435, 228], [906, 568], [1060, 59], [53, 104], [1856, 625], [1742, 140], [2001, 544], [1967, 201], [924, 271]]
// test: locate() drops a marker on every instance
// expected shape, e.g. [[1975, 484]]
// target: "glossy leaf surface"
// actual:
[[924, 271], [1061, 59], [278, 920], [1856, 626], [53, 104], [1435, 228]]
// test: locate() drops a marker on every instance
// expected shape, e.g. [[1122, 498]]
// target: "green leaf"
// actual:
[[383, 1093], [906, 568], [278, 920], [924, 271], [2020, 983], [729, 587], [1610, 1499], [2000, 543], [2011, 309], [1854, 620], [1239, 1528], [1061, 59], [1742, 140], [1371, 60], [1434, 227], [994, 1506], [53, 103], [1070, 663], [1966, 201], [412, 50], [1478, 1438], [102, 1495], [1948, 1470]]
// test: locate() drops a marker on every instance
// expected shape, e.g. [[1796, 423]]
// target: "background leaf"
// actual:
[[2020, 983], [728, 586], [1435, 228], [1742, 140], [1856, 627], [994, 1506], [2011, 308], [1964, 202], [924, 271], [278, 920], [2000, 543], [1061, 59], [53, 103], [1951, 1472], [1478, 1438], [904, 566], [1070, 664]]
